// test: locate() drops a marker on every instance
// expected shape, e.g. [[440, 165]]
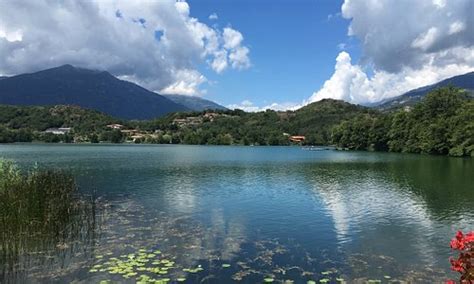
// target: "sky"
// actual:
[[247, 54]]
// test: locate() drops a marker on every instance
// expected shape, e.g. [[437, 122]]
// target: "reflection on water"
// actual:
[[249, 213]]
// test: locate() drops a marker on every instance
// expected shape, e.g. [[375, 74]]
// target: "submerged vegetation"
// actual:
[[40, 212]]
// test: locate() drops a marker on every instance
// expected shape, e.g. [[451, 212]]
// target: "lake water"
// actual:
[[251, 214]]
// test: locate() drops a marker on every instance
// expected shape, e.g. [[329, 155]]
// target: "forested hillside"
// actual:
[[442, 123]]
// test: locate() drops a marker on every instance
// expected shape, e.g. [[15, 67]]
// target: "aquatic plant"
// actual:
[[40, 211], [464, 264]]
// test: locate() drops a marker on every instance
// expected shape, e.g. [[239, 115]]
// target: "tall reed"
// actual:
[[40, 211]]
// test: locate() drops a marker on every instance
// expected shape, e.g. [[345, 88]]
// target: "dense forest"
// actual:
[[443, 123]]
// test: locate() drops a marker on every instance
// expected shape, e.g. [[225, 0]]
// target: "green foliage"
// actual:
[[113, 136], [27, 123], [40, 212], [261, 128], [443, 123]]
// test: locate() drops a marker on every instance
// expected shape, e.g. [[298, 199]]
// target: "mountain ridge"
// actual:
[[92, 89], [195, 103], [463, 81]]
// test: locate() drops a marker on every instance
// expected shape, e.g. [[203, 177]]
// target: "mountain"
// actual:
[[465, 81], [195, 103], [92, 89]]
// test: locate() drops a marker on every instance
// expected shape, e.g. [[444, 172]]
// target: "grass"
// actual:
[[40, 211]]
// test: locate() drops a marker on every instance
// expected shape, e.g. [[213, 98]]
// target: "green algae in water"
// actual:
[[225, 265], [311, 282], [268, 280]]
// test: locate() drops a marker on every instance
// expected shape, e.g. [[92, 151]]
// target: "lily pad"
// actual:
[[326, 272]]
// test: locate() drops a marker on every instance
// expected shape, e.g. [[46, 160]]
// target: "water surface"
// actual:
[[224, 214]]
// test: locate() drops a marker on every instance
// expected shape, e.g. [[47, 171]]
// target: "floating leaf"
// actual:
[[326, 272]]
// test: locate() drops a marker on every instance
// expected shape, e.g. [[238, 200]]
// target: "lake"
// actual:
[[211, 214]]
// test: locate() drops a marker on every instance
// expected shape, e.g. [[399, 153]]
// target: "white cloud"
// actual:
[[350, 82], [426, 40], [403, 50], [188, 83], [232, 38], [456, 27], [219, 64], [213, 17], [154, 43], [238, 57], [249, 106]]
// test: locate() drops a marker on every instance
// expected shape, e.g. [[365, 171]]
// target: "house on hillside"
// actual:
[[115, 126], [58, 131], [297, 138], [188, 121]]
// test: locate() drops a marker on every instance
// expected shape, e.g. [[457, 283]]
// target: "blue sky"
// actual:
[[293, 46], [254, 54]]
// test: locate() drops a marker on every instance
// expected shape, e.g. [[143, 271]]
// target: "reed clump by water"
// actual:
[[40, 211], [35, 201]]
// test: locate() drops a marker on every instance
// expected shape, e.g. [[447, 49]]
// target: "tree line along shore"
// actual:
[[442, 123]]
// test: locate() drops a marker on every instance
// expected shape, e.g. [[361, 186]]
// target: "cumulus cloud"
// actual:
[[351, 83], [406, 44], [155, 43]]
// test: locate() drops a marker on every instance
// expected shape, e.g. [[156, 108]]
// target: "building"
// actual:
[[115, 126], [58, 131], [188, 121], [297, 138]]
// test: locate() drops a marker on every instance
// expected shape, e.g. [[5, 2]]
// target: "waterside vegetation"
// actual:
[[40, 211], [442, 123]]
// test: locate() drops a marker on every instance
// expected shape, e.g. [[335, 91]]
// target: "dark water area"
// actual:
[[202, 214]]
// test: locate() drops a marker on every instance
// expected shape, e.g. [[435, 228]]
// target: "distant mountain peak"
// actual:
[[92, 89]]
